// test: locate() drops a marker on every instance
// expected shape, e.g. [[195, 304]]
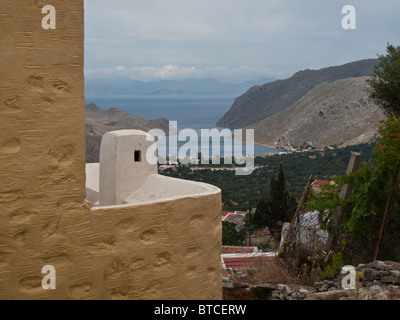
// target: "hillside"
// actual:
[[331, 113], [98, 122], [239, 191], [261, 102]]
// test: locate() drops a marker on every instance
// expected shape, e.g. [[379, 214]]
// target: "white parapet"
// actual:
[[124, 166], [128, 174]]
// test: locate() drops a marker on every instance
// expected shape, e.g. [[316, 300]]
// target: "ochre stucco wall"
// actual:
[[167, 250]]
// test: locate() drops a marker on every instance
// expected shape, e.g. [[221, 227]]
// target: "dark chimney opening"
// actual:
[[138, 156]]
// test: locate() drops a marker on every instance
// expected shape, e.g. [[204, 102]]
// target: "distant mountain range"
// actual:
[[326, 107], [332, 113], [263, 101], [98, 122], [127, 86]]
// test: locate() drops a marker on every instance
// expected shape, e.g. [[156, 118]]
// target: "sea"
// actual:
[[188, 112]]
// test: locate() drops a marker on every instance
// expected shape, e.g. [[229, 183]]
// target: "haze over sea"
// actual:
[[191, 112]]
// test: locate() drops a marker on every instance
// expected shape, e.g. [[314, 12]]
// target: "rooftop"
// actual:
[[320, 182], [127, 175], [236, 258]]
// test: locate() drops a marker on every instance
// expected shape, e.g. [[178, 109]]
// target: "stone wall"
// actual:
[[162, 250]]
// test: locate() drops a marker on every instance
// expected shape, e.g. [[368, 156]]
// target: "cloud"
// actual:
[[175, 38], [146, 73], [174, 72]]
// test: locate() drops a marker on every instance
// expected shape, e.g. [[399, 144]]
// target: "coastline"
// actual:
[[272, 147], [278, 149]]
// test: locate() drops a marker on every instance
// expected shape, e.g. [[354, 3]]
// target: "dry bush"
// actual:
[[306, 263], [271, 271]]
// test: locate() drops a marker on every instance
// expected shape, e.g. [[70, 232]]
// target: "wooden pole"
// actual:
[[387, 209], [299, 207], [354, 165]]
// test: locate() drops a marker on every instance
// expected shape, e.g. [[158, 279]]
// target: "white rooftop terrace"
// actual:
[[127, 174]]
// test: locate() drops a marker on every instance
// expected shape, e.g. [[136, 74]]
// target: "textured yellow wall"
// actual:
[[168, 250]]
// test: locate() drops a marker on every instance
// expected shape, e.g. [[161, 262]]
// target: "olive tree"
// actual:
[[385, 81]]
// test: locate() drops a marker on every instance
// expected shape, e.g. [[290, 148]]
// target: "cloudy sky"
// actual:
[[231, 40]]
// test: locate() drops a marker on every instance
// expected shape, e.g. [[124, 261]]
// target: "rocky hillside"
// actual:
[[331, 113], [98, 122], [261, 102]]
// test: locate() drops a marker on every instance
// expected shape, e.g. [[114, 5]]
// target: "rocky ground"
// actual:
[[379, 280]]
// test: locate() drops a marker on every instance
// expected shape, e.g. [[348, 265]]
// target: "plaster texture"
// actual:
[[168, 248]]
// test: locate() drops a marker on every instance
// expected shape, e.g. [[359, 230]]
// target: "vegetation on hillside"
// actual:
[[368, 226], [230, 236], [243, 192], [385, 82], [277, 207]]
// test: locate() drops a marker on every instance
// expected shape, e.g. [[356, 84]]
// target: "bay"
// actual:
[[190, 112]]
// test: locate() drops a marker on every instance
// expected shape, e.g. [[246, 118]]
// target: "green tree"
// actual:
[[385, 82], [230, 236], [370, 215], [279, 207]]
